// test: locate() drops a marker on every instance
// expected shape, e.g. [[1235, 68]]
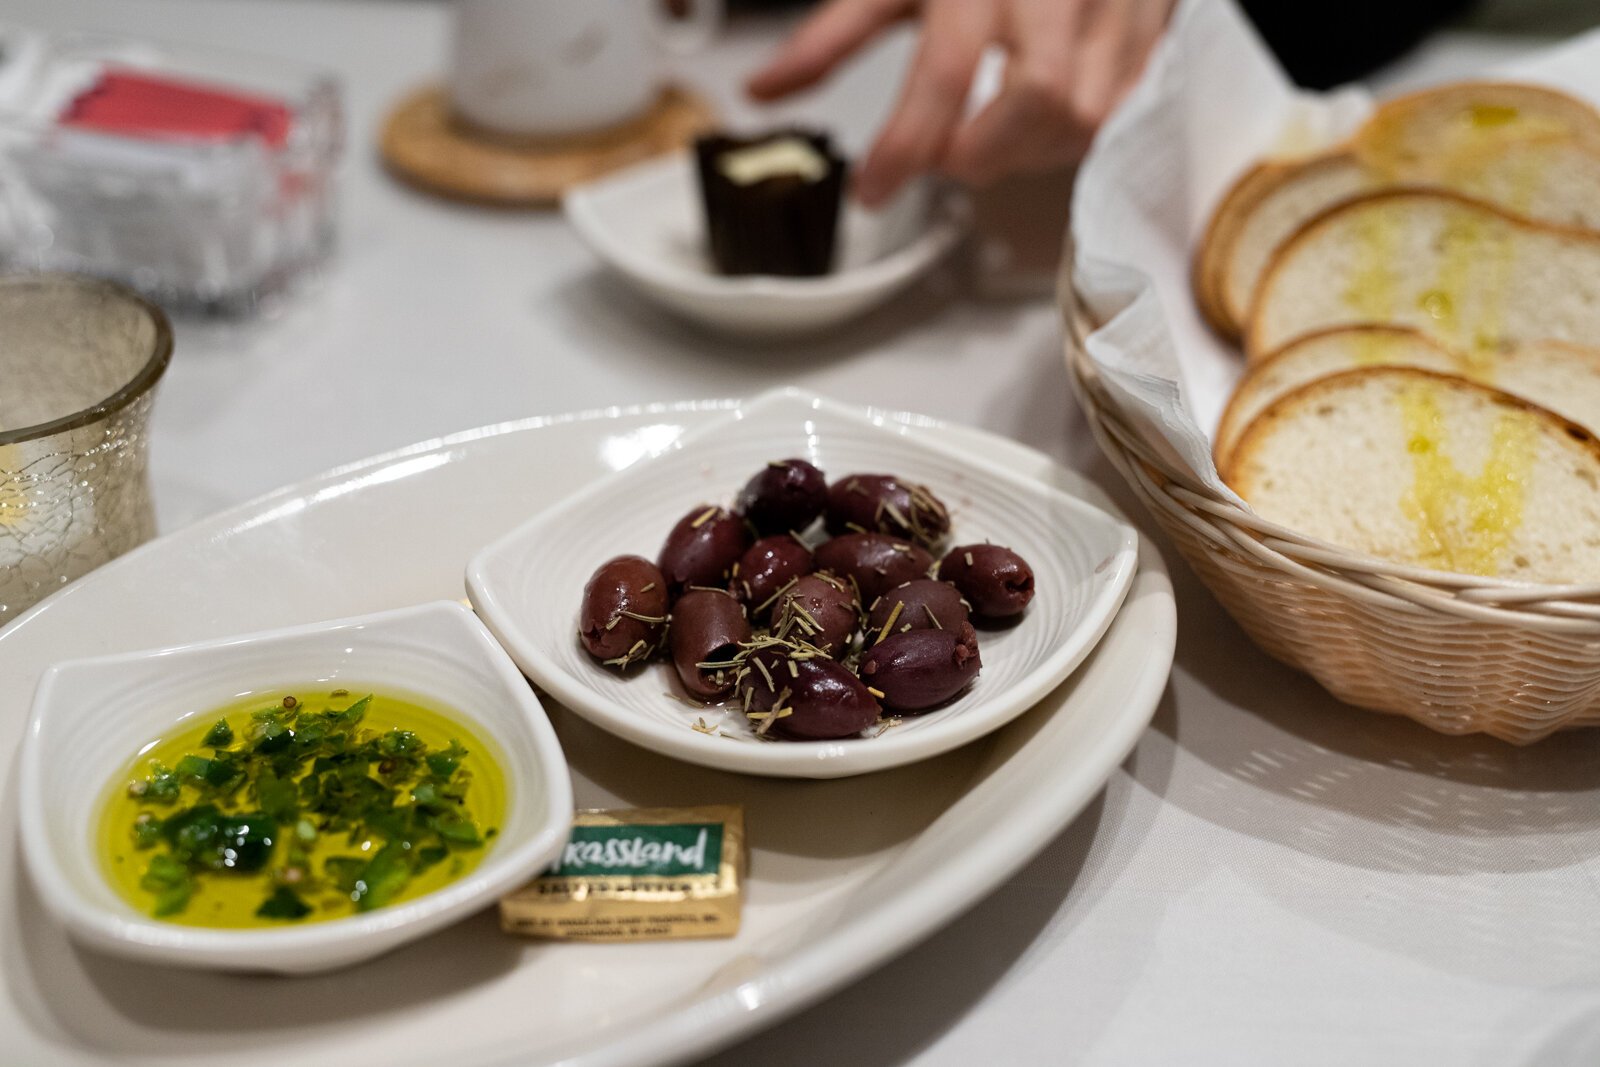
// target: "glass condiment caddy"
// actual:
[[202, 178]]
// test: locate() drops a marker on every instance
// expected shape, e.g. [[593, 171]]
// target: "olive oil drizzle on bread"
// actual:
[[1464, 521], [1535, 281], [1430, 470]]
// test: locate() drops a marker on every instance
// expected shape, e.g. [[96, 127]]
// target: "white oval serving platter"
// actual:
[[830, 895]]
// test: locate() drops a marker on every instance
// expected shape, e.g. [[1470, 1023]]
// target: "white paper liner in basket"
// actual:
[[1456, 652]]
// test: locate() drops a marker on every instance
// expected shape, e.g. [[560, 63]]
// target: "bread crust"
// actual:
[[1211, 256], [1386, 328], [1236, 306]]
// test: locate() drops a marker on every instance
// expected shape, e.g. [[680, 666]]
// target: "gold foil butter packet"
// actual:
[[639, 874]]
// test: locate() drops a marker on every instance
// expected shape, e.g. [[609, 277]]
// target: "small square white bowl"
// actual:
[[528, 585], [645, 223], [91, 716]]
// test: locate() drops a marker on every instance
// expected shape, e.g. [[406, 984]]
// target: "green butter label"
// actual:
[[680, 849]]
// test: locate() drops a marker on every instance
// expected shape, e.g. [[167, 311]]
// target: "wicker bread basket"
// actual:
[[1457, 653]]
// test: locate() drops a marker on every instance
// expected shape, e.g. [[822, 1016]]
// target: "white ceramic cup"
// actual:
[[553, 68]]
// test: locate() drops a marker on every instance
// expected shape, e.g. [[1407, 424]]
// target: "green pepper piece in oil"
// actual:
[[284, 903], [314, 775]]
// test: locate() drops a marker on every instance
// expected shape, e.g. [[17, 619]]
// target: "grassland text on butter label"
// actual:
[[639, 850]]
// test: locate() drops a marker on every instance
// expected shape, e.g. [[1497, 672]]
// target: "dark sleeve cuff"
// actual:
[[1323, 43]]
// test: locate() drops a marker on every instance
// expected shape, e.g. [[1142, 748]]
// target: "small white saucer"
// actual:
[[645, 222]]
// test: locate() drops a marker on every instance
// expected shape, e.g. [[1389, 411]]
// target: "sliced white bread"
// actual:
[[1429, 131], [1319, 355], [1464, 273], [1564, 378], [1549, 181], [1557, 182], [1276, 207], [1428, 470], [1212, 253], [1533, 151]]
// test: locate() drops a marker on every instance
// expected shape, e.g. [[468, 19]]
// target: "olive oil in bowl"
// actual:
[[300, 807]]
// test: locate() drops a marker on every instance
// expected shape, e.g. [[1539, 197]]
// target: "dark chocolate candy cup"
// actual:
[[782, 225]]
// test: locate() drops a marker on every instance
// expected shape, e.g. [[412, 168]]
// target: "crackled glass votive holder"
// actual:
[[79, 363]]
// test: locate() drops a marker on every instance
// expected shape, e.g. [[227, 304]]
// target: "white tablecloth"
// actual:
[[1271, 878]]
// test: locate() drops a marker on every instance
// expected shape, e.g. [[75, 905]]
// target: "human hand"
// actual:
[[1068, 63]]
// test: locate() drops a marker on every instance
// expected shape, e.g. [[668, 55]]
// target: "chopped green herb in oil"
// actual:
[[305, 807]]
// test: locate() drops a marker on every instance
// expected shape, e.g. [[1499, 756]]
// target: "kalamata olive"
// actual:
[[882, 503], [786, 496], [765, 568], [922, 604], [820, 610], [707, 627], [876, 562], [822, 698], [702, 548], [996, 581], [624, 611], [919, 669]]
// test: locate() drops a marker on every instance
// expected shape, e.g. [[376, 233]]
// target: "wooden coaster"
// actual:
[[424, 143]]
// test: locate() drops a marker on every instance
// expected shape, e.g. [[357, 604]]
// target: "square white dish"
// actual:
[[645, 223], [91, 716], [528, 585]]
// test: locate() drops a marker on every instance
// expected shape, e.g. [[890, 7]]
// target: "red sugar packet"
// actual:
[[138, 104]]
